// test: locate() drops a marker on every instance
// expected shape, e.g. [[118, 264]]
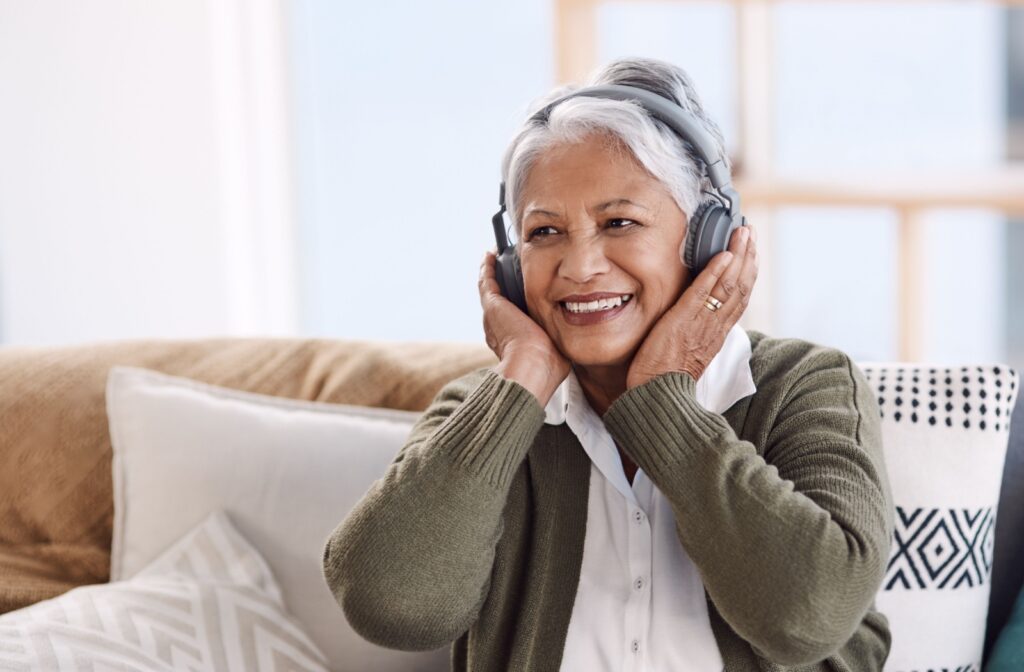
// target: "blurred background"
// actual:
[[189, 168]]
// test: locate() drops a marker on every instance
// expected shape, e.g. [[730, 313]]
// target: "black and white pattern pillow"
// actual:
[[945, 432], [974, 396]]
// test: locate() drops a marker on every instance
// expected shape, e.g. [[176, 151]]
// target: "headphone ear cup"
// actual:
[[693, 234], [509, 275], [707, 234]]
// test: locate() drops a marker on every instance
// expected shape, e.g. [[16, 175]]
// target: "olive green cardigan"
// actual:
[[474, 535]]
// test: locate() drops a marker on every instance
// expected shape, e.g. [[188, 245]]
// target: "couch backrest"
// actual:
[[1008, 562], [56, 501]]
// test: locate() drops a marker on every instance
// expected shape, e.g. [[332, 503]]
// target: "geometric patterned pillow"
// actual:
[[944, 434], [207, 603]]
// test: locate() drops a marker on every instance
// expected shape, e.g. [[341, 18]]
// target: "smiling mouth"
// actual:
[[583, 314], [600, 305]]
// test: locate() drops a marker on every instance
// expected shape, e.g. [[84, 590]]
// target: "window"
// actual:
[[876, 160]]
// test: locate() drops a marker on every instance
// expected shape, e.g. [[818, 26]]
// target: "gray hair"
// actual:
[[665, 155]]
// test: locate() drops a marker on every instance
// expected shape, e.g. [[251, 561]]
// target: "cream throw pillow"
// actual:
[[286, 471]]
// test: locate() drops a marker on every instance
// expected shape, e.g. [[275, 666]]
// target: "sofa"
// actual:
[[57, 491]]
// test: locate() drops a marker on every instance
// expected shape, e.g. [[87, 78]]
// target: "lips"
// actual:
[[595, 310], [593, 296], [599, 304]]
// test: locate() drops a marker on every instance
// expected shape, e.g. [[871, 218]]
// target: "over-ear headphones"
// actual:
[[710, 226]]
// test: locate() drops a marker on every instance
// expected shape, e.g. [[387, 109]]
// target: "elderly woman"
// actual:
[[638, 484]]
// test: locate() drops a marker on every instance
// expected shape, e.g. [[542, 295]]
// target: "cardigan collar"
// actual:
[[726, 380]]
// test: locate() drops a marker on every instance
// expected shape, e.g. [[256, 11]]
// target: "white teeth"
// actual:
[[600, 304]]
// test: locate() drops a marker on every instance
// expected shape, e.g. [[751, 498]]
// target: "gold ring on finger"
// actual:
[[712, 306]]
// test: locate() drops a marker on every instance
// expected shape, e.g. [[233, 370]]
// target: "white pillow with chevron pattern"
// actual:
[[945, 433], [208, 603]]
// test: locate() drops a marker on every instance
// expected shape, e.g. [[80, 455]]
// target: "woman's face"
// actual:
[[596, 225]]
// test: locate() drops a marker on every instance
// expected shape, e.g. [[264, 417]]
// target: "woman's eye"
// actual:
[[619, 223], [539, 231]]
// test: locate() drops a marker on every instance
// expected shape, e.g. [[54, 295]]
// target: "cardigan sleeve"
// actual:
[[410, 565], [791, 546]]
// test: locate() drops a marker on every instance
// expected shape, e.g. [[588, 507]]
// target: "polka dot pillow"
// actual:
[[945, 433]]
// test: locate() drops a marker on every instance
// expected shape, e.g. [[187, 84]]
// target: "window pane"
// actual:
[[887, 87], [835, 279], [963, 286]]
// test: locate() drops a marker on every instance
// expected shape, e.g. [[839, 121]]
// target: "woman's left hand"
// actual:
[[689, 334]]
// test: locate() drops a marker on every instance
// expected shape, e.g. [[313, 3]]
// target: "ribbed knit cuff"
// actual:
[[660, 422], [492, 429]]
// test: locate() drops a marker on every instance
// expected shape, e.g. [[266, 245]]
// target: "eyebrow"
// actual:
[[618, 201], [540, 211], [600, 208]]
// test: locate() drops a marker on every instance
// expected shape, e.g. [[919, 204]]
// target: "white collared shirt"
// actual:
[[640, 602]]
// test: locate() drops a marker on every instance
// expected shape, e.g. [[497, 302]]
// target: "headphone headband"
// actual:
[[672, 115], [664, 110]]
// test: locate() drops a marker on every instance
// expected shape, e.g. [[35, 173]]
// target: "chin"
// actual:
[[600, 354]]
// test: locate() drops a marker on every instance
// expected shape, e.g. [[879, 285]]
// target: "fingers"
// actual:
[[487, 283], [725, 288], [730, 276], [708, 278], [740, 278]]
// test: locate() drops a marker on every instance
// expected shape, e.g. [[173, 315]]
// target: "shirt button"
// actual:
[[638, 516], [635, 646], [639, 583]]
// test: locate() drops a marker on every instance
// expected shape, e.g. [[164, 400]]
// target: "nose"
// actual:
[[584, 258]]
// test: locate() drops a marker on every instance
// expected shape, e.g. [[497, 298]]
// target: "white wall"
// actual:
[[403, 111], [139, 194]]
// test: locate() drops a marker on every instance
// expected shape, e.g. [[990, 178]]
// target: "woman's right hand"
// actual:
[[525, 352]]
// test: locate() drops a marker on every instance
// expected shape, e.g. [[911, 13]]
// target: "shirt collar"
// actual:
[[726, 380]]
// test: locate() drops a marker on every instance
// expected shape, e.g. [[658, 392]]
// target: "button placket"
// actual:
[[640, 566]]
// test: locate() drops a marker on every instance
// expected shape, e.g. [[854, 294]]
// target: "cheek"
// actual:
[[531, 277], [658, 268], [673, 282], [536, 282]]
